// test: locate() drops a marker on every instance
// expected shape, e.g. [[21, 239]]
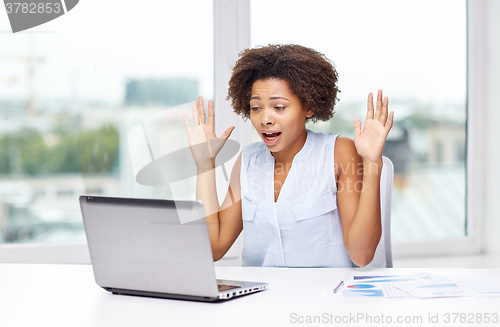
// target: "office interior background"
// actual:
[[71, 90]]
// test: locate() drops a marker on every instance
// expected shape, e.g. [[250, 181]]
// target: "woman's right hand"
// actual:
[[203, 134]]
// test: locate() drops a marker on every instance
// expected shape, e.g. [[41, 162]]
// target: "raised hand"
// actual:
[[203, 142], [370, 141]]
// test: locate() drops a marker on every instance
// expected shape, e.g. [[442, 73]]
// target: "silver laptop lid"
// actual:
[[141, 244]]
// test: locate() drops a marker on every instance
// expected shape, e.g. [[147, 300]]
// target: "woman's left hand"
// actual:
[[370, 141]]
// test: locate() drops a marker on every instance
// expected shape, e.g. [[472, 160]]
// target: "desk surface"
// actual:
[[66, 295]]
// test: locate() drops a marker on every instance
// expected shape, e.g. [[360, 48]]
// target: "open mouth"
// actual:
[[271, 139], [271, 136]]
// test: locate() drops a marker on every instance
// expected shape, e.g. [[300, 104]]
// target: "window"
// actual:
[[72, 88], [419, 60]]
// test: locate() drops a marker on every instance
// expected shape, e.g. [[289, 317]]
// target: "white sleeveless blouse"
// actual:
[[304, 229]]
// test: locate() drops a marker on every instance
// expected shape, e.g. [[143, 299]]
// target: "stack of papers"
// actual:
[[418, 285]]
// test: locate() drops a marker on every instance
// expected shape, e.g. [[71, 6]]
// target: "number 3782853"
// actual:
[[33, 8]]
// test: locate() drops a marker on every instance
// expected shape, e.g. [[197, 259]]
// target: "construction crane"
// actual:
[[30, 60]]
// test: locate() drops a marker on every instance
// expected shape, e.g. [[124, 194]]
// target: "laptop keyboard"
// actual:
[[223, 287]]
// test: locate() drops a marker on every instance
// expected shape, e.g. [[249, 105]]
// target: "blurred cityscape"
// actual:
[[51, 152], [427, 146]]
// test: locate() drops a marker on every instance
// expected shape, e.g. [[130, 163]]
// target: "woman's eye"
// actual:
[[279, 108], [254, 108]]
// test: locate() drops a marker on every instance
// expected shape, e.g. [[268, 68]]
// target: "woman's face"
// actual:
[[278, 116]]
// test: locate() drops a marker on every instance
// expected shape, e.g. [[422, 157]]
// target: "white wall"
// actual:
[[492, 212]]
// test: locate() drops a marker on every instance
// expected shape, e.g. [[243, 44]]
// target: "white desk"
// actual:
[[66, 295]]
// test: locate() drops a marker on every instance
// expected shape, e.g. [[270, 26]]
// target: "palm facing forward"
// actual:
[[203, 142], [370, 141]]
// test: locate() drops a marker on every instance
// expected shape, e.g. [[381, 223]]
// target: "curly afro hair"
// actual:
[[309, 74]]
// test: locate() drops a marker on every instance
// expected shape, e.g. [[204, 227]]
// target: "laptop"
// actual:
[[156, 248]]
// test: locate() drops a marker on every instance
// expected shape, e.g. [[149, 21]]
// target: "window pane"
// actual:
[[418, 58], [71, 90]]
